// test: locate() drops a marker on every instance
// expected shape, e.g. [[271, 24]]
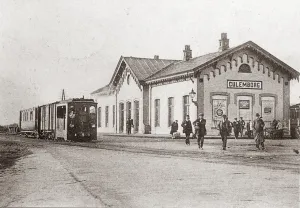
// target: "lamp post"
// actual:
[[192, 95]]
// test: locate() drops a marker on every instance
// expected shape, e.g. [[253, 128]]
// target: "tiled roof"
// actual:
[[145, 67], [104, 90], [183, 66], [141, 67]]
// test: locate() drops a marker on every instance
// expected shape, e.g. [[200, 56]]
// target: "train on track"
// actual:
[[69, 120]]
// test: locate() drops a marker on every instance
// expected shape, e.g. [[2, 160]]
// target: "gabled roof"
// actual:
[[145, 67], [149, 70], [201, 62], [141, 69], [106, 90], [183, 66]]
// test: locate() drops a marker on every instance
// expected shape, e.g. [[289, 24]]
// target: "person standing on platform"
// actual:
[[200, 130], [174, 128], [242, 123], [129, 125], [187, 129], [258, 128], [236, 128], [224, 127], [274, 124]]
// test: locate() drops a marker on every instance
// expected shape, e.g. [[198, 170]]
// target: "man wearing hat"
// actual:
[[224, 127], [258, 128], [242, 125], [187, 129], [200, 130], [236, 128]]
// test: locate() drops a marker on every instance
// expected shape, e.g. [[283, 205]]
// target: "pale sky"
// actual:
[[50, 45]]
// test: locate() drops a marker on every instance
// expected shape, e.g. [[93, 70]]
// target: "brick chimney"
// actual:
[[224, 42], [187, 53], [156, 57]]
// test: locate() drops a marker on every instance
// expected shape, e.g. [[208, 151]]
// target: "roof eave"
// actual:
[[169, 77], [294, 73]]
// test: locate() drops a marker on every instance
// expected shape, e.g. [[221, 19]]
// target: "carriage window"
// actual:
[[61, 111], [92, 110], [84, 109]]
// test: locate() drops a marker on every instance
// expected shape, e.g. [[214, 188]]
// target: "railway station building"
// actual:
[[236, 81]]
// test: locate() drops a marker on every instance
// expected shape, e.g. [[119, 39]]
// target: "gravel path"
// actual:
[[75, 176]]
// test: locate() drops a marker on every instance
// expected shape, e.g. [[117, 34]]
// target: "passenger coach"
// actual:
[[73, 119]]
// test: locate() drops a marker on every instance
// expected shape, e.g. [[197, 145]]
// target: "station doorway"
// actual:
[[245, 109]]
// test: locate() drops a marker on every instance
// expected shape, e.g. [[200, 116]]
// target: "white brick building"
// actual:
[[238, 82]]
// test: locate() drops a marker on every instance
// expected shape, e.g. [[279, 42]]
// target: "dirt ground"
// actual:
[[136, 172], [10, 151]]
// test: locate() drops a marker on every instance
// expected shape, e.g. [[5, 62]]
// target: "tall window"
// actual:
[[31, 115], [170, 110], [186, 106], [99, 117], [128, 109], [106, 116], [157, 112], [136, 115], [121, 117], [114, 115]]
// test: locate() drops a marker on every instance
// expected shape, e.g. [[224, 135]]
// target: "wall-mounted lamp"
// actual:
[[192, 95]]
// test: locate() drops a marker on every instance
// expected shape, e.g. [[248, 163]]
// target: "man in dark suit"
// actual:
[[224, 127], [174, 128], [236, 128], [129, 125], [187, 129], [258, 127], [242, 125], [200, 130]]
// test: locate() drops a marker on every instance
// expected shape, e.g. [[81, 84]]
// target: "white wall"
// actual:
[[126, 93], [219, 84], [163, 92], [130, 93], [103, 101]]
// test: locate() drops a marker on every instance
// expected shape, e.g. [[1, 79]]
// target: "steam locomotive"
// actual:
[[69, 120]]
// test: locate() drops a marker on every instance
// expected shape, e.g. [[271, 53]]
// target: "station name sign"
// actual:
[[244, 84]]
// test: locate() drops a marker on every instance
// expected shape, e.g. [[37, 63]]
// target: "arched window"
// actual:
[[245, 68], [128, 79]]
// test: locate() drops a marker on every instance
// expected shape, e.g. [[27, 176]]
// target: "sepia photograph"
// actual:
[[150, 104]]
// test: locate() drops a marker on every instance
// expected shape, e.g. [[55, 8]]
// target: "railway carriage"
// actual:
[[28, 121], [73, 119], [76, 120]]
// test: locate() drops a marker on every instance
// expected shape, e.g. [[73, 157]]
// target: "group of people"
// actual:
[[224, 126], [276, 124]]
